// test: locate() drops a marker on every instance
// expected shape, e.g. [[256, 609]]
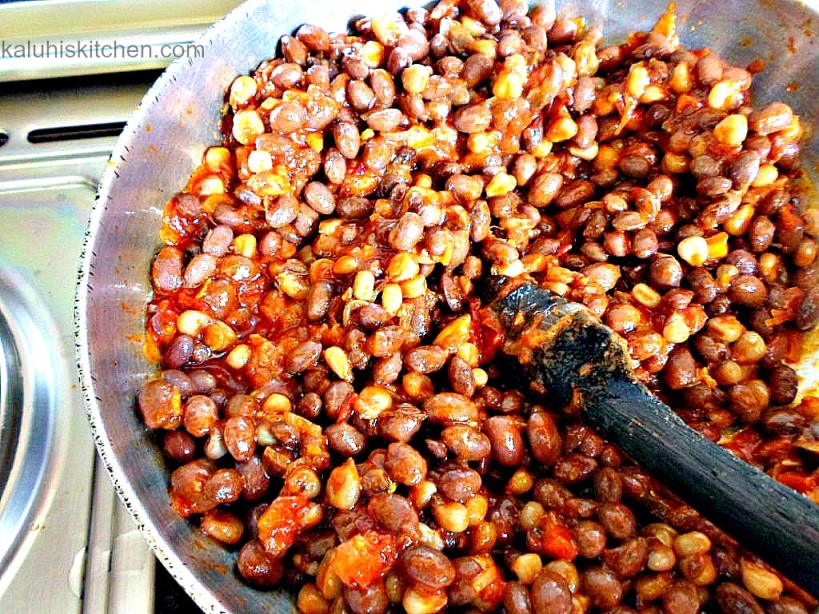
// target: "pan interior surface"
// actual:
[[163, 144]]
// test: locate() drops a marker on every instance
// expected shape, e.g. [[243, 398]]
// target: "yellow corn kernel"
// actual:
[[675, 163], [455, 334], [392, 298], [470, 354], [327, 579], [694, 250], [242, 90], [725, 273], [535, 263], [367, 134], [476, 508], [558, 287], [676, 330], [425, 602], [722, 94], [345, 265], [717, 246], [725, 328], [415, 287], [277, 403], [520, 482], [511, 269], [315, 141], [238, 356], [344, 486], [371, 401], [245, 245], [588, 153], [501, 184], [646, 295], [216, 158], [190, 322], [388, 29], [768, 173], [422, 180], [585, 58], [637, 80], [769, 266], [294, 286], [218, 336], [247, 126], [402, 267], [480, 376], [759, 581], [421, 494], [336, 358], [530, 515], [415, 78], [543, 149], [485, 46], [562, 129], [451, 516], [681, 81], [311, 601], [364, 286], [372, 54], [653, 93], [259, 161], [508, 85], [739, 223], [732, 130], [212, 185], [527, 567]]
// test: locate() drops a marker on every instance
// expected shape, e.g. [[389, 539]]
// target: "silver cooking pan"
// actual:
[[164, 142]]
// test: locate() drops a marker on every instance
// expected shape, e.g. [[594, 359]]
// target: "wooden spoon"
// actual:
[[583, 364]]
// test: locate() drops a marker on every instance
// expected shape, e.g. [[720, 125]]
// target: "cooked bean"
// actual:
[[505, 439]]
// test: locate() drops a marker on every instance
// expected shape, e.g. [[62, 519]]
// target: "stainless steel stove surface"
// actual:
[[66, 544]]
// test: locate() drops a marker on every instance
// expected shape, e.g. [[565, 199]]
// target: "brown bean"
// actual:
[[784, 385], [240, 437], [628, 559], [549, 594], [393, 512], [505, 439], [314, 38], [400, 423], [665, 272], [466, 442], [372, 599], [544, 438], [544, 188], [807, 314], [320, 197], [471, 119], [288, 117], [256, 480], [428, 567], [404, 464], [159, 403], [281, 211], [516, 599], [748, 291], [166, 270], [681, 597], [602, 587], [217, 241], [617, 519], [179, 446], [304, 356], [407, 232], [459, 484], [771, 118], [449, 408], [347, 139], [345, 439], [709, 69], [733, 599], [680, 370], [256, 567], [477, 68]]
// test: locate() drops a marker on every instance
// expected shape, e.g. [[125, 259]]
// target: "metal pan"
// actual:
[[164, 142]]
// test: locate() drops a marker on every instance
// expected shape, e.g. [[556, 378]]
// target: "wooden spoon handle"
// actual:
[[774, 521]]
